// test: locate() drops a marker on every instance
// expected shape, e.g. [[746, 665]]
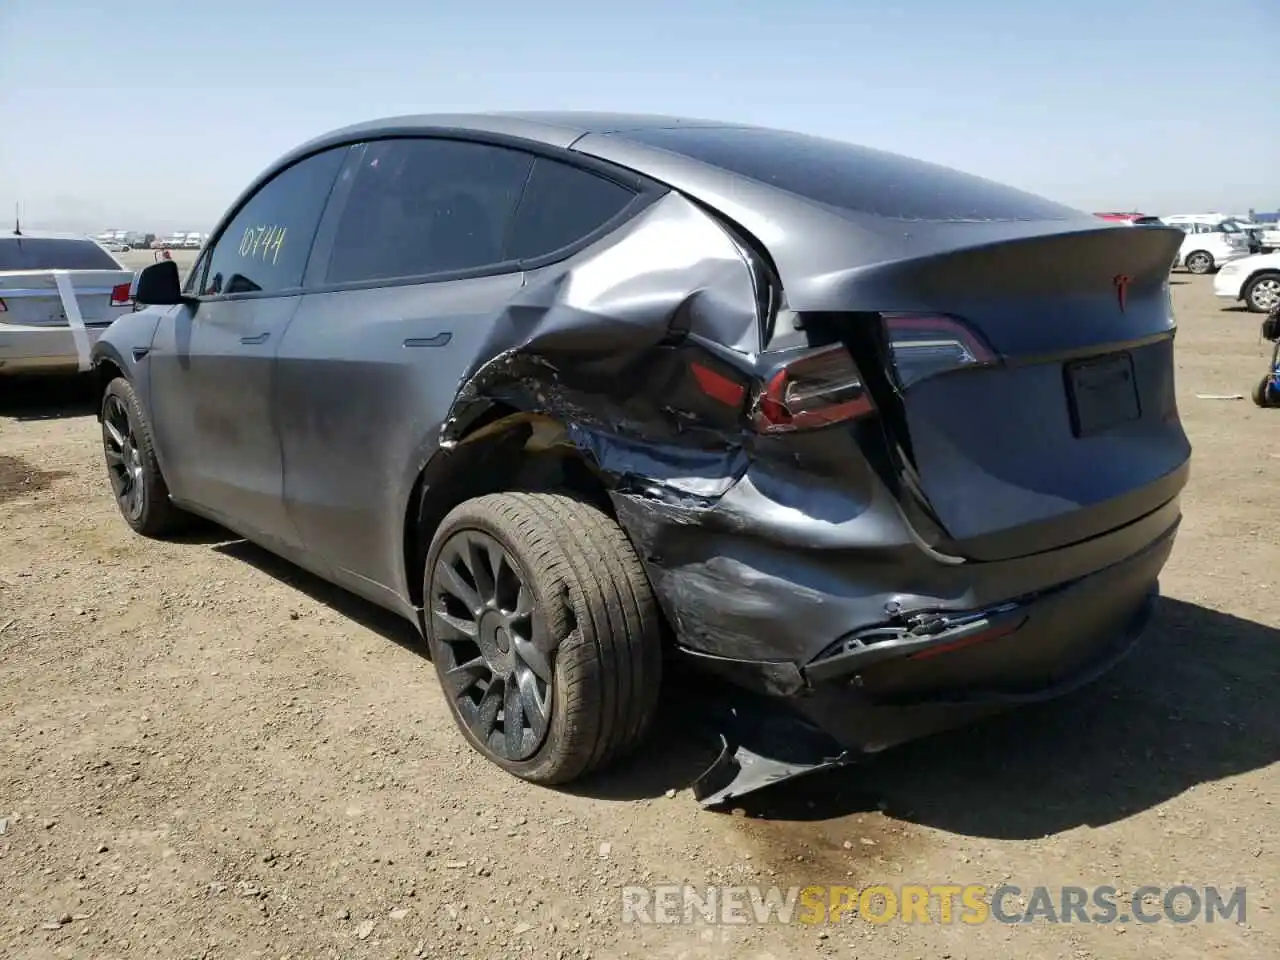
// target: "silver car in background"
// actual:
[[58, 293]]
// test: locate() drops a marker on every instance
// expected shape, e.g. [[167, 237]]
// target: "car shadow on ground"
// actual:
[[368, 615], [1192, 704], [47, 398]]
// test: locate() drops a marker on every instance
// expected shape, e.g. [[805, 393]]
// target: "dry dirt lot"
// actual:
[[205, 752]]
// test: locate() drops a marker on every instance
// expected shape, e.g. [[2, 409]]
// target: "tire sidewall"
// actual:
[[122, 390], [545, 622]]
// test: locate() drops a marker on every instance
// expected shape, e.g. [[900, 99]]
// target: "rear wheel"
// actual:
[[1200, 261], [1262, 293], [1265, 393], [136, 481], [544, 633]]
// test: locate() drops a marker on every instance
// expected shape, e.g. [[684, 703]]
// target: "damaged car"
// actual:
[[887, 446]]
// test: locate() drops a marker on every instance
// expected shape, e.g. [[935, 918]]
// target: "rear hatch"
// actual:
[[1020, 353], [1032, 405], [29, 292]]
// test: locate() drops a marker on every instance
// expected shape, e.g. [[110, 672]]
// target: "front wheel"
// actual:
[[544, 633], [1265, 393], [1200, 262], [1263, 293], [136, 481]]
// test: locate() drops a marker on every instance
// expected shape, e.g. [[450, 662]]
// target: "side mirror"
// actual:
[[159, 285]]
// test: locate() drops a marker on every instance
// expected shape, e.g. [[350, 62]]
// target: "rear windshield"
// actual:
[[44, 253], [850, 177]]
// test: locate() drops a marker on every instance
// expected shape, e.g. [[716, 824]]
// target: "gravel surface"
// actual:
[[207, 753]]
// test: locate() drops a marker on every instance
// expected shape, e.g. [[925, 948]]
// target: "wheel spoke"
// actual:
[[113, 432], [513, 719], [476, 559], [524, 603], [487, 712], [134, 499], [533, 658], [463, 628], [497, 562], [453, 583], [535, 705], [114, 457], [464, 676]]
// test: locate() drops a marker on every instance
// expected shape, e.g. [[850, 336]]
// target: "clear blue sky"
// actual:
[[155, 115]]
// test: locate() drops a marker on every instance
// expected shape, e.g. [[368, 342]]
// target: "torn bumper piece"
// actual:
[[876, 689]]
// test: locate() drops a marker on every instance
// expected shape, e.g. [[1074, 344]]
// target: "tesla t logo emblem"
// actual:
[[1121, 282]]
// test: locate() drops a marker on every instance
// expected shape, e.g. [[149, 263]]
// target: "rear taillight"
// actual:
[[925, 345], [814, 390], [3, 308], [121, 295]]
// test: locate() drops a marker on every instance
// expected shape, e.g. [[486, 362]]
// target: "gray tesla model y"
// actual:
[[881, 443]]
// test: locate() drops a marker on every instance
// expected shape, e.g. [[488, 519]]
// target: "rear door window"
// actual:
[[47, 253], [264, 248], [422, 207], [561, 206]]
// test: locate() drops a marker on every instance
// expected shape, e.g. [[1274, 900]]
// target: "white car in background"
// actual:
[[1210, 243], [58, 292], [193, 241], [1254, 280]]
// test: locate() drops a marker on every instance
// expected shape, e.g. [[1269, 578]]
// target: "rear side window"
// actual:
[[265, 246], [44, 253], [427, 206], [560, 206], [853, 178]]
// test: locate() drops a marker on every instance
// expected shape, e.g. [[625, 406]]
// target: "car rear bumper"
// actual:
[[1228, 285], [827, 626], [1059, 641], [28, 349]]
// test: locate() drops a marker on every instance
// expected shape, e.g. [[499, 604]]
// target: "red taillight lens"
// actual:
[[815, 390], [121, 295], [925, 345]]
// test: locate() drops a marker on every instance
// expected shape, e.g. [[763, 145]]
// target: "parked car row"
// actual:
[[1245, 256], [179, 241], [118, 241]]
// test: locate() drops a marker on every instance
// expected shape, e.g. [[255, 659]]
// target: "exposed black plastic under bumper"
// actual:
[[1064, 639]]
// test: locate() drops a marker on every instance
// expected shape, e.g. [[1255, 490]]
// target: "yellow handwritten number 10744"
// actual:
[[264, 241]]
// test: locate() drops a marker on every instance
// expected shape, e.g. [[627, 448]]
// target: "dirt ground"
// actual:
[[205, 752]]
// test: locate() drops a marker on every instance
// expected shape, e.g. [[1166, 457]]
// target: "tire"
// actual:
[[142, 496], [1264, 395], [581, 625], [1200, 262], [1262, 292]]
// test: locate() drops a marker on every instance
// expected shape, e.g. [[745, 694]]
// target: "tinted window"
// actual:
[[265, 246], [560, 206], [44, 253], [196, 276], [852, 178], [425, 207]]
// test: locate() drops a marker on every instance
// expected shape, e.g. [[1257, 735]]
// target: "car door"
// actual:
[[424, 261], [212, 361]]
